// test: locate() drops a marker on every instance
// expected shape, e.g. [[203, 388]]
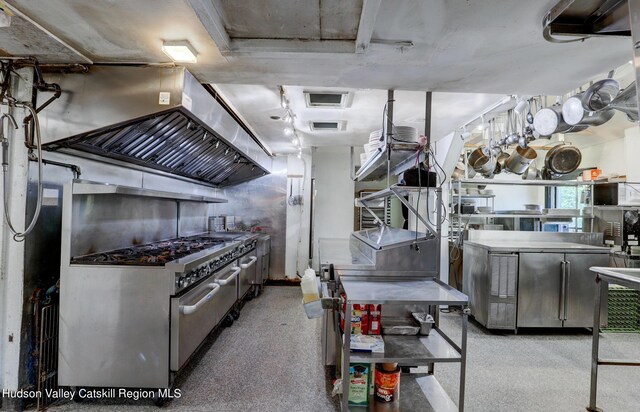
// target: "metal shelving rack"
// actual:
[[415, 389], [457, 219], [382, 212]]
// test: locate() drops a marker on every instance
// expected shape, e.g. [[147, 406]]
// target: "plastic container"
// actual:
[[387, 382], [309, 286], [314, 309]]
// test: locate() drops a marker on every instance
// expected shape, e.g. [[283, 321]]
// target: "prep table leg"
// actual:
[[346, 355], [595, 346], [463, 357]]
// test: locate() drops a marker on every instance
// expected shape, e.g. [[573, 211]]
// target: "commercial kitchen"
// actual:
[[399, 205]]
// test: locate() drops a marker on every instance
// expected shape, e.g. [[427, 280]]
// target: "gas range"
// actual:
[[150, 254], [191, 269], [188, 259]]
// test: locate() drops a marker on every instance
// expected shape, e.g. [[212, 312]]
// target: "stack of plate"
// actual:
[[375, 136], [374, 143], [405, 133], [370, 149]]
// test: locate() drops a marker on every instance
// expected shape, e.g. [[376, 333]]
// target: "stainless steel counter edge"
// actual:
[[517, 247], [360, 291], [619, 275]]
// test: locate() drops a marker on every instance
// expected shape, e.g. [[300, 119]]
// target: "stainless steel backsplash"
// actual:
[[262, 202]]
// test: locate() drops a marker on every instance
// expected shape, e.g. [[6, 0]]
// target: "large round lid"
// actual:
[[546, 121], [572, 110], [600, 94], [564, 159]]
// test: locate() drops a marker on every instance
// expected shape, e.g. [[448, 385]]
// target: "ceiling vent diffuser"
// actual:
[[328, 126], [327, 99]]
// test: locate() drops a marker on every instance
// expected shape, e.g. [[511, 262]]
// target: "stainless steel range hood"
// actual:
[[157, 118]]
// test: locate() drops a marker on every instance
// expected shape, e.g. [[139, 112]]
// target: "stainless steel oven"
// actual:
[[132, 315], [227, 278], [248, 273], [193, 317]]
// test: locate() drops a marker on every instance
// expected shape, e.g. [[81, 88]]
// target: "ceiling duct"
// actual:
[[157, 118]]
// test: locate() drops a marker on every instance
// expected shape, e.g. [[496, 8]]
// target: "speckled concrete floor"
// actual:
[[270, 360], [538, 370]]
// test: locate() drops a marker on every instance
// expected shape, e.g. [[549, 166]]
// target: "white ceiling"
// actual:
[[249, 48], [364, 115]]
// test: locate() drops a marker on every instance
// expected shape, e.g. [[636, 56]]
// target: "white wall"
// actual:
[[298, 217], [333, 197], [618, 156]]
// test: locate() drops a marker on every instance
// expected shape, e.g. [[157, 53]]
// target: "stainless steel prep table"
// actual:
[[539, 281], [603, 276], [497, 246], [409, 350]]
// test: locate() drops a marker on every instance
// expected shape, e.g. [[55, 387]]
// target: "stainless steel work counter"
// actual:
[[402, 292], [604, 275], [536, 247], [342, 255]]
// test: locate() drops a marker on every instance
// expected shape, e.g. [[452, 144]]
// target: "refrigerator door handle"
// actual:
[[563, 284], [567, 269]]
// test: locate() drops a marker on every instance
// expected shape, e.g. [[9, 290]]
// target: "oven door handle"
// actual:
[[189, 309], [232, 276], [252, 260]]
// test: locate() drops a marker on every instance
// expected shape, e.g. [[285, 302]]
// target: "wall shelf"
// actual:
[[85, 187]]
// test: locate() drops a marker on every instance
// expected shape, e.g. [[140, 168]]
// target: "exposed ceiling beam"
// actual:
[[291, 46], [20, 14], [370, 9], [212, 22]]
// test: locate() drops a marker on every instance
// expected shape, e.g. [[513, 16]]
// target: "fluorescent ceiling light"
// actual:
[[180, 51]]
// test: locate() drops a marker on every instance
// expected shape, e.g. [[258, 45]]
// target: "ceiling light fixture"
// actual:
[[289, 118], [180, 51]]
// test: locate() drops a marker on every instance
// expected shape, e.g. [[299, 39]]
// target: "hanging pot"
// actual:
[[485, 165], [458, 172], [574, 114], [475, 156], [562, 159], [532, 172], [520, 159], [549, 121], [502, 159], [498, 169], [605, 95]]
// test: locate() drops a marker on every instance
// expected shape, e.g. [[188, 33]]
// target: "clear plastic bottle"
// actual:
[[309, 286]]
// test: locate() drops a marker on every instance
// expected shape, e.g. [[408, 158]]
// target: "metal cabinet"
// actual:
[[491, 282], [581, 288], [540, 290], [503, 270], [557, 289]]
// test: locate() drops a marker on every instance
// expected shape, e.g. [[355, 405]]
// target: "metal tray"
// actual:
[[399, 326]]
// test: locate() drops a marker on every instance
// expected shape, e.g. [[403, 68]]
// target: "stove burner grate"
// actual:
[[150, 254]]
